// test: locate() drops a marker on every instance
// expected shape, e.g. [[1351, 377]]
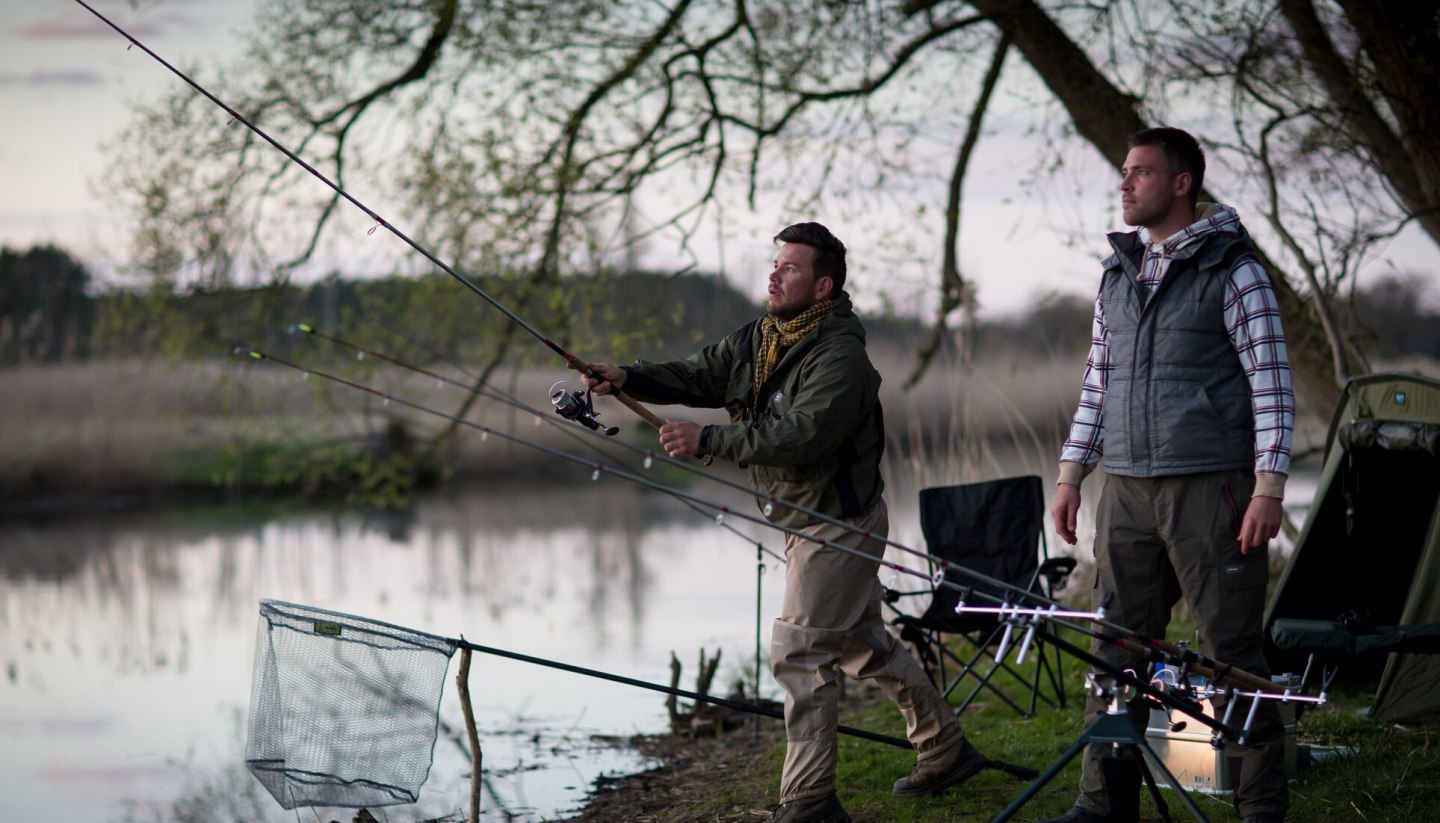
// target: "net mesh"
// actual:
[[343, 710]]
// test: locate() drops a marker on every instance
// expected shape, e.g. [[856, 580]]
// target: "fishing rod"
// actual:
[[570, 360], [1131, 641]]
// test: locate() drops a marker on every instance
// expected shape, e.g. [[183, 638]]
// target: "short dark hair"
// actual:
[[829, 251], [1183, 154]]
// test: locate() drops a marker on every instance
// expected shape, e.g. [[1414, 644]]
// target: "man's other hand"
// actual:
[[1066, 511], [611, 378], [681, 438], [1261, 523]]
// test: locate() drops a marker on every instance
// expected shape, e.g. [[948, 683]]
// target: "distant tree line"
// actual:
[[51, 310], [46, 314]]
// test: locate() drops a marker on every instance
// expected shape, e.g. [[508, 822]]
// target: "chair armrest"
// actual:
[[1055, 570], [889, 595]]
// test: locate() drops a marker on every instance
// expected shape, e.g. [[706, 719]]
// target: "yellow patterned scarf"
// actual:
[[776, 336]]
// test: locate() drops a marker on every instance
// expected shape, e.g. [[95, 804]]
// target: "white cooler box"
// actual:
[[1197, 765]]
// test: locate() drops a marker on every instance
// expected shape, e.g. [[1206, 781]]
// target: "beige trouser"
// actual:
[[831, 619], [1159, 539]]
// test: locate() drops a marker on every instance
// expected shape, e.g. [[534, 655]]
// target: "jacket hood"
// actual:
[[842, 318]]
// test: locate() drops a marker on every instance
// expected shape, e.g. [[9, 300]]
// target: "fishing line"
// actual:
[[570, 360], [723, 511]]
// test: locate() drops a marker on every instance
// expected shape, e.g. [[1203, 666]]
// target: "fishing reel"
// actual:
[[570, 404]]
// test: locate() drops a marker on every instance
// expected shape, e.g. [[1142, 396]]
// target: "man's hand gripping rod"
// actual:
[[631, 403]]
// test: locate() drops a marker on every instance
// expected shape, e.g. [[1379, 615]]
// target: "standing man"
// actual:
[[805, 418], [1187, 395]]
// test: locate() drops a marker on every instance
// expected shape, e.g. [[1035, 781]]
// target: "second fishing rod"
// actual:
[[1016, 596], [1041, 608], [1150, 649]]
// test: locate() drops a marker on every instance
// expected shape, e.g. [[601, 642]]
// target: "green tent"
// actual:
[[1370, 546]]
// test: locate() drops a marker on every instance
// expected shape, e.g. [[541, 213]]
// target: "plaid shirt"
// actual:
[[1252, 319]]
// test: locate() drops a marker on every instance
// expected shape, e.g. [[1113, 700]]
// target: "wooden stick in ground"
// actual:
[[462, 685], [671, 705]]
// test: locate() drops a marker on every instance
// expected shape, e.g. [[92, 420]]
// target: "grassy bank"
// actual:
[[1392, 774]]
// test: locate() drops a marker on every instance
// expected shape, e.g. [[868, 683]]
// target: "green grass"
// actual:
[[1393, 775]]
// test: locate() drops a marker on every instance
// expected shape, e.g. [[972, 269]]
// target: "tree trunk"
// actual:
[[1402, 43]]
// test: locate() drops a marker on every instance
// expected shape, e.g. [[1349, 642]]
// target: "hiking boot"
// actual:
[[1078, 815], [1265, 817], [825, 809], [936, 774]]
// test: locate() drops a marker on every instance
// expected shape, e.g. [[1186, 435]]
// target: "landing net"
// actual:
[[343, 710]]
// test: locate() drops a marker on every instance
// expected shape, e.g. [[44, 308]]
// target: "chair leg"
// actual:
[[969, 668], [1045, 672], [986, 684]]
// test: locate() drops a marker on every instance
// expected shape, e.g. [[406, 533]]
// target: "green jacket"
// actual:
[[815, 434]]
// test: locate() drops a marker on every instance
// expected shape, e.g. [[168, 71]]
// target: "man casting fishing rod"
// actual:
[[805, 418]]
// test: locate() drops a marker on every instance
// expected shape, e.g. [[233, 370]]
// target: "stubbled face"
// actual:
[[793, 286], [1147, 190]]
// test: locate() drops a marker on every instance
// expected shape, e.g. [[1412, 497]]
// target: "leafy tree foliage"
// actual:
[[533, 141]]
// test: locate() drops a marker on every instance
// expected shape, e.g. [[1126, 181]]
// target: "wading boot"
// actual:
[[936, 774], [825, 809]]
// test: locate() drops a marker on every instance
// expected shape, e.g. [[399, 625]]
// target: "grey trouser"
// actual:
[[1165, 537], [831, 619]]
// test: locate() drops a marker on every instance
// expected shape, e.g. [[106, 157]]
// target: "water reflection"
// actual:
[[126, 642]]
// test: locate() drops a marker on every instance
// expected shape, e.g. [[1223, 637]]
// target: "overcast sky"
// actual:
[[66, 80]]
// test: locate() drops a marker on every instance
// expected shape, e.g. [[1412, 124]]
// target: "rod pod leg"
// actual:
[[1112, 729]]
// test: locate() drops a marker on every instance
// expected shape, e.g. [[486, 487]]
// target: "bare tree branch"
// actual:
[[953, 290]]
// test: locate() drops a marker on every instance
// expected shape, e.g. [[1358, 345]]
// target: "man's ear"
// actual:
[[1184, 181], [824, 287]]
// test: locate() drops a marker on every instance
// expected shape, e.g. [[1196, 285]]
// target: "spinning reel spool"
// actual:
[[571, 404]]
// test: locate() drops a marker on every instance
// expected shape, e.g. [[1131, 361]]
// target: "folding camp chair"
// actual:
[[992, 528]]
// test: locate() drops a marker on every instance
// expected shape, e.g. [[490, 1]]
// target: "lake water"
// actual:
[[126, 640]]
